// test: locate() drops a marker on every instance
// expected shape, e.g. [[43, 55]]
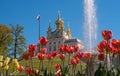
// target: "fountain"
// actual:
[[90, 34], [90, 25]]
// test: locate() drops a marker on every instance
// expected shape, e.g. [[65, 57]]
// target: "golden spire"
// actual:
[[59, 22], [69, 31], [49, 28]]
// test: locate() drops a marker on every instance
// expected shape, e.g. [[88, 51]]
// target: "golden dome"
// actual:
[[59, 21], [49, 28]]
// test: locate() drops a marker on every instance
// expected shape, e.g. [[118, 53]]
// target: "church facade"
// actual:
[[60, 36]]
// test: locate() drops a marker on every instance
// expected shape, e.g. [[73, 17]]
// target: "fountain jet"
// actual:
[[90, 25]]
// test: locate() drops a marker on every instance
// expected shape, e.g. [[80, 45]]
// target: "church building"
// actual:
[[60, 36]]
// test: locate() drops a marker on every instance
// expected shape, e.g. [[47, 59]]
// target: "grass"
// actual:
[[36, 63]]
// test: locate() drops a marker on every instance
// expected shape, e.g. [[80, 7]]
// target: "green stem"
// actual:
[[42, 66], [51, 66], [31, 63], [68, 59], [39, 68], [80, 67]]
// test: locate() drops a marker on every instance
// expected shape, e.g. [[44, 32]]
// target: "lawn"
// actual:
[[46, 64]]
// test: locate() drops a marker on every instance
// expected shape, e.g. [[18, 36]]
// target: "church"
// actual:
[[60, 36]]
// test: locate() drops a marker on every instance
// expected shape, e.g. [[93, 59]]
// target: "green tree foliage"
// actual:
[[19, 43], [5, 40]]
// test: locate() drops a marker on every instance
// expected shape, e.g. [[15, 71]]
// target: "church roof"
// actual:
[[72, 40]]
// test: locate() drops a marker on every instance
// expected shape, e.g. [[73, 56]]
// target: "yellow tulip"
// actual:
[[8, 59], [1, 57], [6, 67], [1, 64], [14, 60]]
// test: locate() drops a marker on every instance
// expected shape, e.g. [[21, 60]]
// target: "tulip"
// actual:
[[87, 55], [1, 64], [20, 68], [62, 56], [113, 50], [28, 70], [77, 60], [31, 54], [31, 48], [79, 55], [76, 48], [26, 56], [43, 41], [116, 43], [6, 61], [43, 50], [53, 53], [58, 74], [41, 56], [61, 49], [107, 34], [102, 46], [57, 66], [6, 67], [49, 57], [73, 61], [101, 57], [1, 58]]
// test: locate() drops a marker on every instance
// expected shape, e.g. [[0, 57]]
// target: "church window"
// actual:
[[59, 42], [54, 42], [50, 43], [54, 48], [49, 48]]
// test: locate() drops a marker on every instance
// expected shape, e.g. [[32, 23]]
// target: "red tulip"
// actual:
[[53, 53], [62, 56], [76, 48], [73, 61], [41, 56], [28, 70], [49, 57], [31, 54], [113, 49], [26, 56], [43, 50], [31, 48], [102, 46], [116, 43], [79, 55], [88, 55], [61, 49], [68, 49], [58, 74], [20, 68], [101, 56], [57, 66], [77, 59], [107, 34], [43, 41]]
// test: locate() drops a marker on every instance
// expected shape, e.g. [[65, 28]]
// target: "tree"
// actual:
[[5, 39], [19, 43]]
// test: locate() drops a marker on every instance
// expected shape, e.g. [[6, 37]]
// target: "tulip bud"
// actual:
[[107, 34]]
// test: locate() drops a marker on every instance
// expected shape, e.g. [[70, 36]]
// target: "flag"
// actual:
[[38, 17]]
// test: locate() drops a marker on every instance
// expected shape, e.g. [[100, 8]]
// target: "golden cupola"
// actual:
[[59, 23], [49, 28], [68, 30]]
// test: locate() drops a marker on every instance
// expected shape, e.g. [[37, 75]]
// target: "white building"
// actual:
[[60, 36]]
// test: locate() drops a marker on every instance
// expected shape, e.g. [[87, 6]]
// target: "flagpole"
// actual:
[[38, 18], [39, 28]]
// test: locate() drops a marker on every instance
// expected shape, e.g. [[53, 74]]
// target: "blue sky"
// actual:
[[24, 12]]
